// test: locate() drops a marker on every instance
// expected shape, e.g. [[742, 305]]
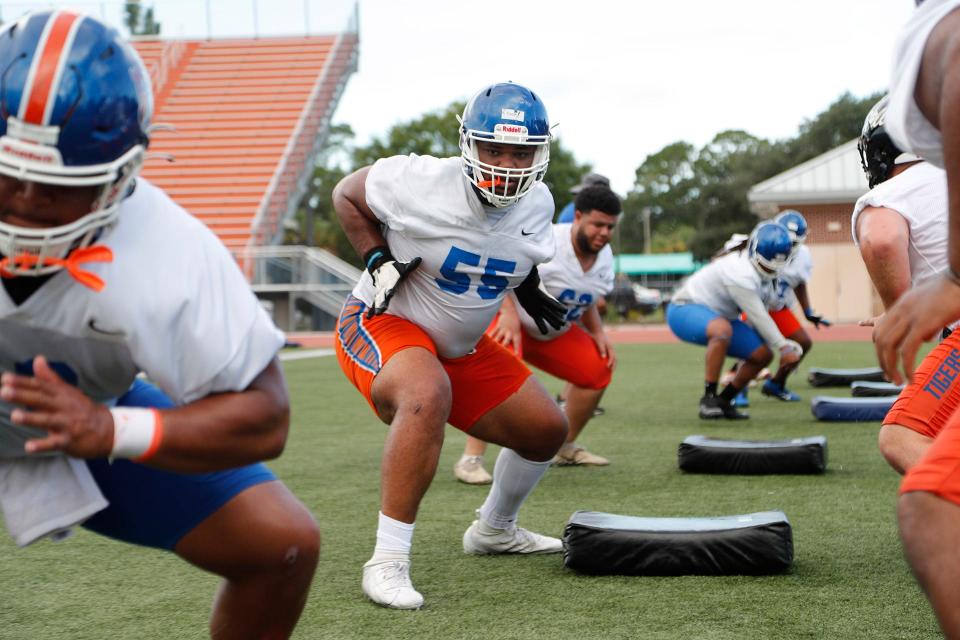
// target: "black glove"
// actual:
[[815, 319], [387, 275], [542, 307]]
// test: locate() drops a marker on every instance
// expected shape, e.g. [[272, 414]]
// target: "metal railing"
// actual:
[[159, 70], [294, 276]]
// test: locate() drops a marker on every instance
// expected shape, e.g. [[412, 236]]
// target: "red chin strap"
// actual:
[[71, 263]]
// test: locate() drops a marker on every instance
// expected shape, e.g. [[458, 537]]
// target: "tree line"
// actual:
[[696, 197]]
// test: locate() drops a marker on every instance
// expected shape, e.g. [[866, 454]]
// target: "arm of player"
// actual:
[[507, 329], [923, 311], [362, 229], [884, 238], [751, 304], [594, 325], [219, 431]]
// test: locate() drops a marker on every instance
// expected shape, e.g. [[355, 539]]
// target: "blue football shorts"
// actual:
[[689, 323], [157, 508]]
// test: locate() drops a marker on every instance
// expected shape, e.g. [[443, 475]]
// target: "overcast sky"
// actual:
[[621, 78]]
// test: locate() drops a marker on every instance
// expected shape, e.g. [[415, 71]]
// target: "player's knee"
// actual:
[[805, 342], [421, 400], [761, 356], [890, 444], [297, 548]]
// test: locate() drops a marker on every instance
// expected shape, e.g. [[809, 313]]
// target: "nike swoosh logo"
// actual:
[[524, 233], [104, 332]]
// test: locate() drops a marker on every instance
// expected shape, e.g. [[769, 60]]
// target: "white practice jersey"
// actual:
[[908, 127], [566, 281], [796, 272], [175, 306], [472, 254], [710, 285], [919, 195]]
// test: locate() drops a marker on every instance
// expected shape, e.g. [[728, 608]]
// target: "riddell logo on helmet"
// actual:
[[27, 154], [510, 129]]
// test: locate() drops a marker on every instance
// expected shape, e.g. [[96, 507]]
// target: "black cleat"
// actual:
[[713, 408]]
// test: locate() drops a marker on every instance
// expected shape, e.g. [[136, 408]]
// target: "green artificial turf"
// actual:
[[849, 578]]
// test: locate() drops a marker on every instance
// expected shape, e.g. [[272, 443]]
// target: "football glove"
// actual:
[[537, 301], [387, 274], [815, 319]]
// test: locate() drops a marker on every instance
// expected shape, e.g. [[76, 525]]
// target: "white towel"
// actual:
[[46, 496]]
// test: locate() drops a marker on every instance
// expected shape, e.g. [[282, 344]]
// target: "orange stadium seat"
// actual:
[[236, 106]]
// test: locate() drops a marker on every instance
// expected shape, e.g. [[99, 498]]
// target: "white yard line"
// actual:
[[304, 354]]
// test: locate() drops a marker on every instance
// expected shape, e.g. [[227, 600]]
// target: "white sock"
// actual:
[[513, 480], [394, 539]]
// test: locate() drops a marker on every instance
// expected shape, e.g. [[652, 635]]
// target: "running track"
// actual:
[[631, 334]]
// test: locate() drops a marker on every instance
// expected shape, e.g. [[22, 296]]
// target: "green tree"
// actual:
[[698, 197], [665, 185], [563, 173], [329, 170], [432, 134], [840, 122], [140, 20]]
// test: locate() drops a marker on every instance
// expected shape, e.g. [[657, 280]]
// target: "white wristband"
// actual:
[[136, 432]]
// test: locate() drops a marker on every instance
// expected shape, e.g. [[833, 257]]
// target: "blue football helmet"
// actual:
[[769, 248], [505, 113], [75, 109], [795, 224]]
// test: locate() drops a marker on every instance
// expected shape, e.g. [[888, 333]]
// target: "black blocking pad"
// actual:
[[863, 389], [843, 377], [608, 544], [700, 454], [830, 409]]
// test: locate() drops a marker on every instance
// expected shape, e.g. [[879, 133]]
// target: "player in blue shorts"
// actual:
[[706, 310], [104, 277]]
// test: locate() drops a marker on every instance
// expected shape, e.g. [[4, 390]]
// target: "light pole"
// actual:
[[646, 229]]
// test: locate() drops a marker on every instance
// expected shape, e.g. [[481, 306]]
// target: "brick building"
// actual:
[[824, 189]]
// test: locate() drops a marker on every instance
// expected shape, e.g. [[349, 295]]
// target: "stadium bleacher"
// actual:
[[248, 114]]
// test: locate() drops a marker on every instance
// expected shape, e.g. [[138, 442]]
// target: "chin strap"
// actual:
[[72, 263]]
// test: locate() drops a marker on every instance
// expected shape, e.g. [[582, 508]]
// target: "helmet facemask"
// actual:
[[500, 186], [47, 247]]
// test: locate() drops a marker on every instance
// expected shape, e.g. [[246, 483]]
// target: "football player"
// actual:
[[706, 310], [104, 277], [790, 287], [923, 118], [444, 240], [580, 353], [900, 227]]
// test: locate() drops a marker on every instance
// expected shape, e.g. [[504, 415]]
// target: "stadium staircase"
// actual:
[[246, 119]]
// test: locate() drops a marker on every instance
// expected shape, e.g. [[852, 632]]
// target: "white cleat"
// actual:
[[387, 583], [469, 469], [481, 539]]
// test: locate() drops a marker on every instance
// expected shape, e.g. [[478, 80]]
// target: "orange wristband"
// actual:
[[137, 433]]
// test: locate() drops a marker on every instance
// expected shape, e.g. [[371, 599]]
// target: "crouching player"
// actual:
[[579, 352], [791, 287], [105, 276], [444, 241], [706, 311]]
